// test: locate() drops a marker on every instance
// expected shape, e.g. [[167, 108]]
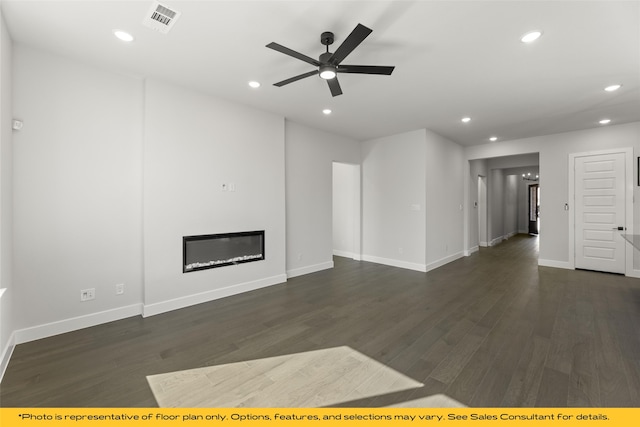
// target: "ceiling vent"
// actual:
[[161, 18]]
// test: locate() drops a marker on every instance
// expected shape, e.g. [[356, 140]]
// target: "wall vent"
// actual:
[[161, 18]]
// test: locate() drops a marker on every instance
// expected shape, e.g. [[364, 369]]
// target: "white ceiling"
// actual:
[[452, 58]]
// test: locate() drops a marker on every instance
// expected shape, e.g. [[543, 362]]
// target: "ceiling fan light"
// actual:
[[327, 72]]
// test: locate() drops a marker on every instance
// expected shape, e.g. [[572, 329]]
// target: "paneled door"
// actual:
[[600, 212]]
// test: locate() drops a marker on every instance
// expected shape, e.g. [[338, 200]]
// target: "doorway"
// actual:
[[482, 212], [534, 209], [346, 211]]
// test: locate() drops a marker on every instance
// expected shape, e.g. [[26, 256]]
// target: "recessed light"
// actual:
[[254, 84], [605, 121], [326, 111], [612, 88], [493, 139], [531, 36], [123, 35], [466, 119]]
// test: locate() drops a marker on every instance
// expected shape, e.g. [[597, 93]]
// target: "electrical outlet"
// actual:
[[88, 294], [120, 289]]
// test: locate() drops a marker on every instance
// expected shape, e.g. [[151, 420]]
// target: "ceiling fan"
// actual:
[[329, 64]]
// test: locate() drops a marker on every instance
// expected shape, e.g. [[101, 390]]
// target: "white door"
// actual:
[[482, 211], [600, 211]]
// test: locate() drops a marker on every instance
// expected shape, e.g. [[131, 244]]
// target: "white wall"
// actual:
[[444, 200], [346, 210], [554, 176], [6, 198], [476, 168], [394, 200], [523, 194], [310, 154], [77, 190], [495, 190], [510, 205], [413, 200], [193, 144]]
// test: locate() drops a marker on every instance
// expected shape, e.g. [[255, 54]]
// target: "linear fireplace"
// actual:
[[218, 250]]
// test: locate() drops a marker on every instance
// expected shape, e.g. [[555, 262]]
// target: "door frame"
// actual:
[[483, 212], [629, 185], [537, 221], [355, 173]]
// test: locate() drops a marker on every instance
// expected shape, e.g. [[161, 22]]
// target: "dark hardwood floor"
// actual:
[[492, 329]]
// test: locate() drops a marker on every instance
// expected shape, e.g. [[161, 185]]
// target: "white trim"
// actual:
[[629, 183], [395, 263], [6, 355], [497, 240], [471, 251], [189, 300], [309, 269], [634, 273], [555, 264], [444, 261], [75, 323], [483, 244]]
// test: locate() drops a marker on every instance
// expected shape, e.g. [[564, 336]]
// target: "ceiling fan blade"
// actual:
[[351, 42], [296, 78], [293, 53], [365, 69], [334, 86]]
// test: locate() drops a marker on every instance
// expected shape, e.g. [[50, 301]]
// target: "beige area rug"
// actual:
[[311, 379], [433, 401]]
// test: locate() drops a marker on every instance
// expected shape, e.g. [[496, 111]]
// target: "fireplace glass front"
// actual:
[[219, 250]]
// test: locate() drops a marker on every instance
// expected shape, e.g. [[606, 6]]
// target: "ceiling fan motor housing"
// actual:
[[324, 58], [326, 38]]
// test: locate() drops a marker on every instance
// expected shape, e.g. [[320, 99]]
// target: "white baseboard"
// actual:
[[189, 300], [468, 252], [496, 241], [633, 273], [483, 244], [6, 355], [554, 263], [75, 323], [443, 261], [309, 269], [395, 263]]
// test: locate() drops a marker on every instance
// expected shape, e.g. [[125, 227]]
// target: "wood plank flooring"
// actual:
[[492, 329]]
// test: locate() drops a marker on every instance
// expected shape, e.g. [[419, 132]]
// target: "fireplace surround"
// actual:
[[218, 250]]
